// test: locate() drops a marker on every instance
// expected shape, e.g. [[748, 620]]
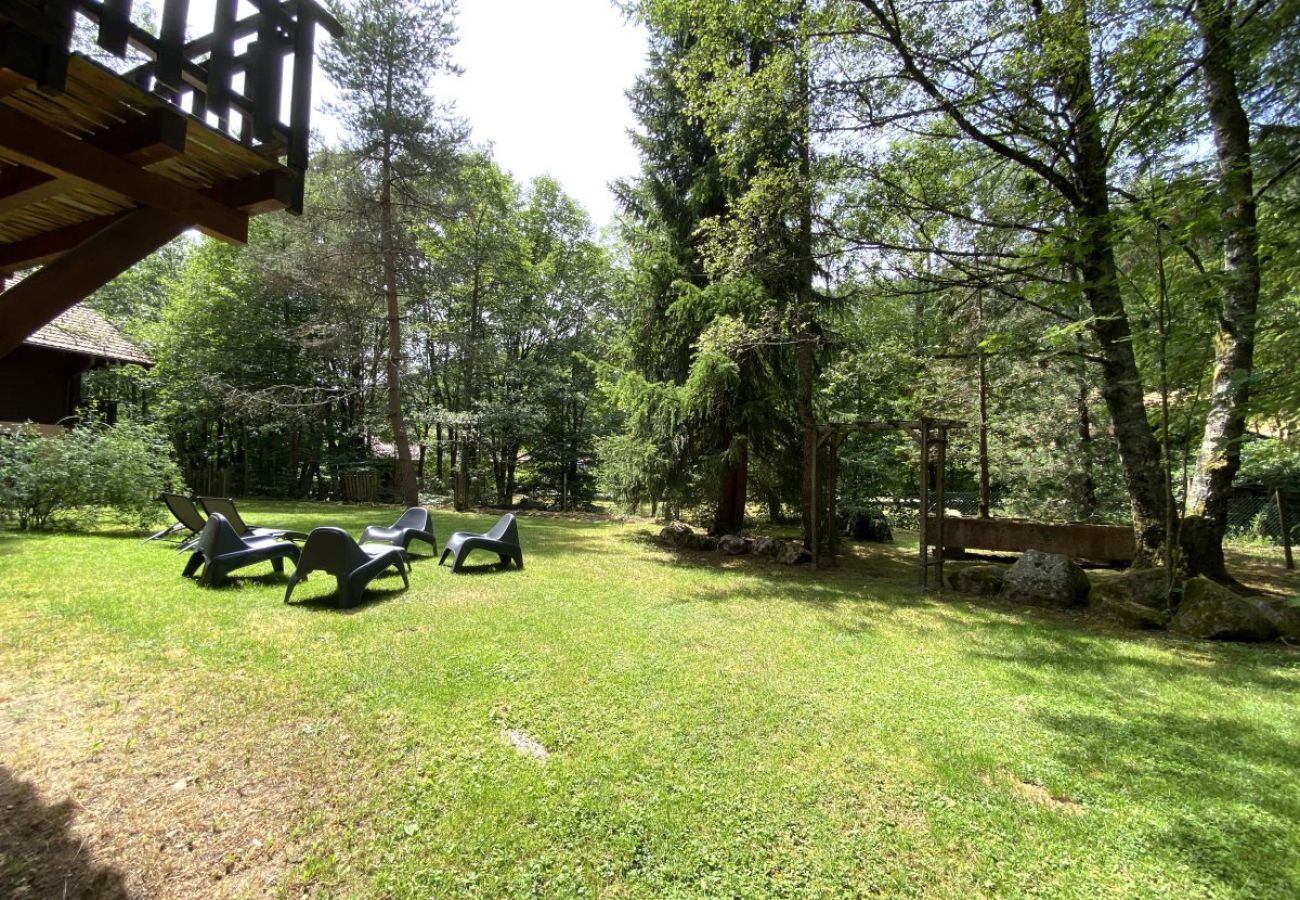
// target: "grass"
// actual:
[[711, 727]]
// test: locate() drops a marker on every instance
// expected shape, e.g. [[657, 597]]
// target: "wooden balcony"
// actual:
[[99, 168]]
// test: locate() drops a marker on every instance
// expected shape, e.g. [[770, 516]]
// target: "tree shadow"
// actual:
[[39, 854]]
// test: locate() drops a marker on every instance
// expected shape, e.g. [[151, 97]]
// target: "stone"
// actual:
[[1288, 618], [981, 580], [678, 534], [1135, 599], [1046, 579], [765, 546], [706, 542], [1212, 612], [733, 544], [792, 554], [867, 524]]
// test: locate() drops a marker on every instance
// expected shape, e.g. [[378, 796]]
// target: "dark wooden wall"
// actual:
[[38, 384]]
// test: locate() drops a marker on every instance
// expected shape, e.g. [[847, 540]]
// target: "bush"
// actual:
[[88, 474]]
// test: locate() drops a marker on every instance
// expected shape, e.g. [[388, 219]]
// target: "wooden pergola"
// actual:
[[932, 436], [99, 169]]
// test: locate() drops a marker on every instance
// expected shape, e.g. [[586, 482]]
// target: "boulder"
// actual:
[[981, 580], [867, 524], [1046, 579], [792, 554], [678, 534], [1211, 611], [733, 544], [706, 542], [1136, 599], [1288, 618], [765, 546]]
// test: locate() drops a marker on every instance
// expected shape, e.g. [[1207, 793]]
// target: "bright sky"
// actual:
[[544, 83]]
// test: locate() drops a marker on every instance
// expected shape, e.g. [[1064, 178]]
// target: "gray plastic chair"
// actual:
[[226, 506], [334, 551], [220, 551], [414, 525], [502, 539]]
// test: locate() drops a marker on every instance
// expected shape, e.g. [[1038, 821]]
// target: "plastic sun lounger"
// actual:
[[502, 539], [226, 506], [220, 551], [414, 525], [188, 520], [334, 551]]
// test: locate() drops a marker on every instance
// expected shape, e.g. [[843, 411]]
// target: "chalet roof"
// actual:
[[83, 331]]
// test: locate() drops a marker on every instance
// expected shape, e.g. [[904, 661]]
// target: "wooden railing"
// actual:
[[200, 75]]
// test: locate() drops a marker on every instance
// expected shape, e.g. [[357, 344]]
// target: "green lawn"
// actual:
[[714, 727]]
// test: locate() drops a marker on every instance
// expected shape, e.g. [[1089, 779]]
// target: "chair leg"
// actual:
[[443, 559], [519, 560], [278, 565], [293, 583], [406, 582], [192, 565]]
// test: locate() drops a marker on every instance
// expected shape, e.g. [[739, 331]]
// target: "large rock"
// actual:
[[705, 542], [982, 580], [1211, 611], [765, 546], [867, 525], [733, 544], [678, 534], [792, 554], [1288, 619], [1137, 599], [1046, 579]]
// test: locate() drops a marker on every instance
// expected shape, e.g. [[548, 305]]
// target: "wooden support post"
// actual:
[[171, 47], [55, 288], [923, 577], [1284, 522], [816, 500], [941, 498]]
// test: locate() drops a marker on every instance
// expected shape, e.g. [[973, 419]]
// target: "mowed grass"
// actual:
[[714, 727]]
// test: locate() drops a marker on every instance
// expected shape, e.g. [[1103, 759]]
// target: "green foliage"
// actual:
[[1271, 462], [91, 473]]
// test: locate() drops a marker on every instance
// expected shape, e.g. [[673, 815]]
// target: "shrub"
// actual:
[[87, 474]]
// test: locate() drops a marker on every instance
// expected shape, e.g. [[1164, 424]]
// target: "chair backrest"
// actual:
[[505, 530], [184, 510], [218, 538], [331, 550], [416, 517], [226, 506]]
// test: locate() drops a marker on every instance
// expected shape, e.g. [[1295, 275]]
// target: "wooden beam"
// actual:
[[44, 247], [59, 286], [151, 138], [268, 192], [58, 154]]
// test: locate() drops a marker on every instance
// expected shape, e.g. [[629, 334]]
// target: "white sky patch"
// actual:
[[544, 84]]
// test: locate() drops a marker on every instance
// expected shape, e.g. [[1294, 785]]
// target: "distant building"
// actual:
[[40, 381]]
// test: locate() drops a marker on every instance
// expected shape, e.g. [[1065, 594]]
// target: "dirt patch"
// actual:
[[1035, 793], [135, 792]]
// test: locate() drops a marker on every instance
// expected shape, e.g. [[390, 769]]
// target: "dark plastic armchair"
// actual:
[[226, 507], [188, 519], [502, 539], [414, 525], [220, 551], [334, 551]]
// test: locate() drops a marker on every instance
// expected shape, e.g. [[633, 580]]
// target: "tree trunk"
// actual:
[[408, 490], [732, 487], [983, 398], [1121, 382], [1206, 517]]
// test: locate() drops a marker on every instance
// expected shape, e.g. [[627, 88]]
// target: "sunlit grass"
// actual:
[[714, 727]]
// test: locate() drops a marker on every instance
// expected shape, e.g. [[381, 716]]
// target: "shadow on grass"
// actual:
[[39, 854], [377, 592]]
